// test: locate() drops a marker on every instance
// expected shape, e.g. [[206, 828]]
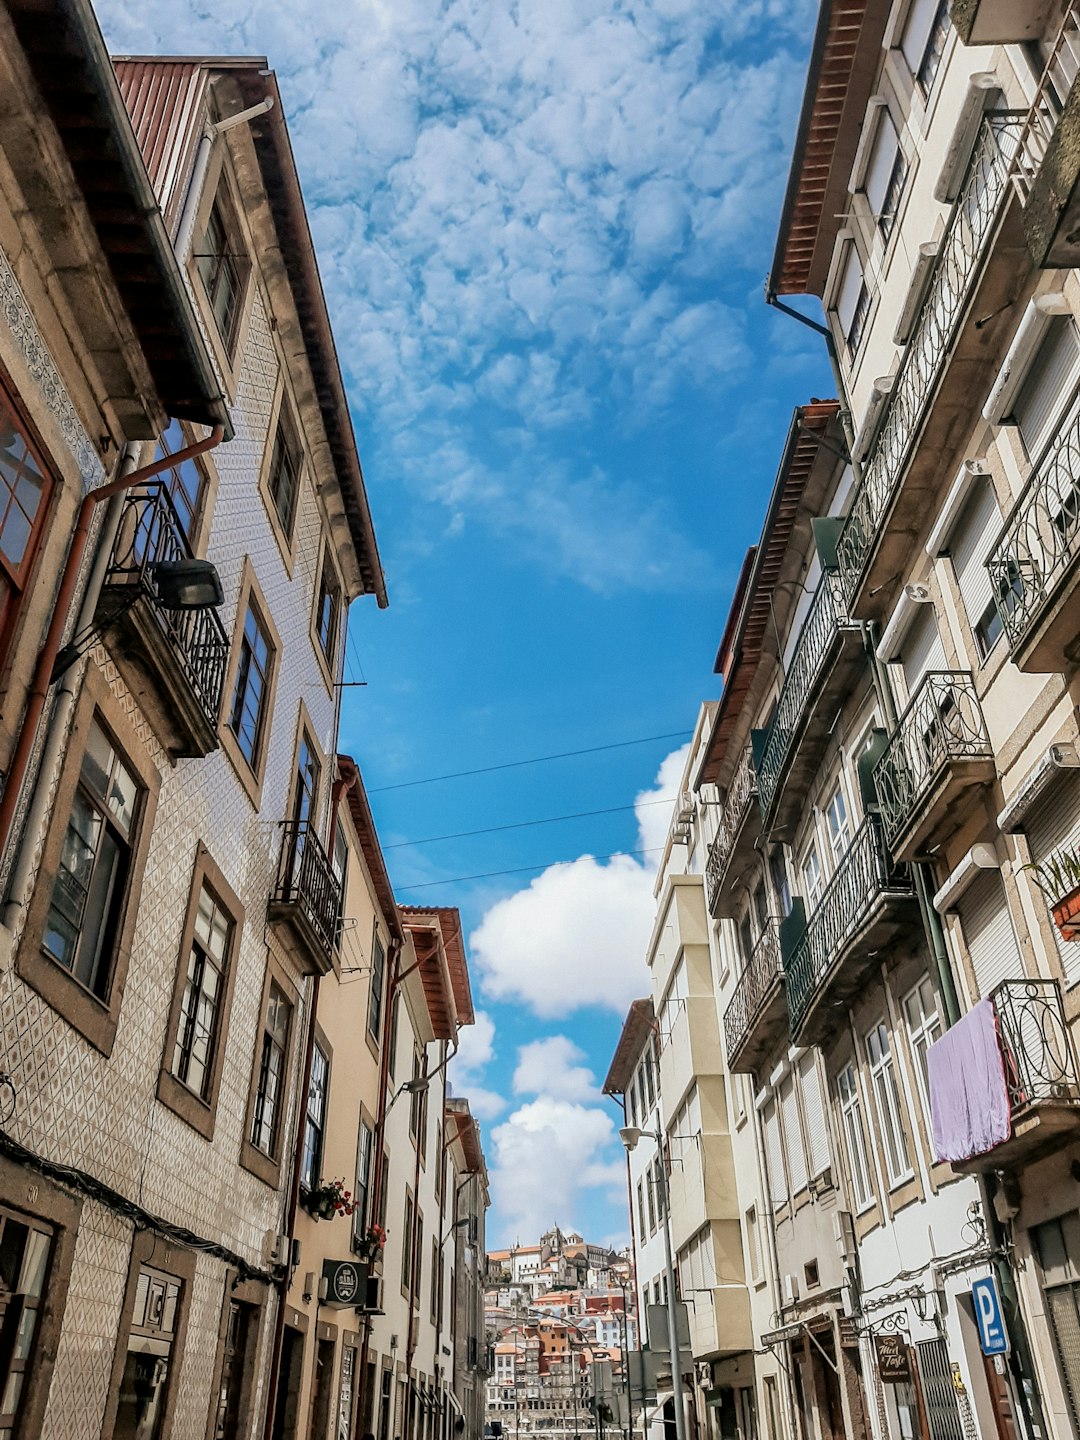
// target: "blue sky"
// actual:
[[543, 228]]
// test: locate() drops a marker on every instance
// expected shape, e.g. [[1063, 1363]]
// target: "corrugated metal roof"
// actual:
[[163, 99]]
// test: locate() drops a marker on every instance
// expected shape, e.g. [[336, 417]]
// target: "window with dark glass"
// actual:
[[24, 490], [853, 301], [144, 1385], [375, 994], [270, 1082], [92, 877], [204, 989], [362, 1217], [306, 790], [283, 479], [247, 713], [185, 483], [315, 1123], [223, 267], [407, 1244], [328, 614], [417, 1095], [25, 1249], [234, 1363]]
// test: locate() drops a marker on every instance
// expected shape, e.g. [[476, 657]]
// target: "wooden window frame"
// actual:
[[94, 1018], [198, 1112], [327, 1050], [251, 775], [20, 579], [258, 1162], [218, 197]]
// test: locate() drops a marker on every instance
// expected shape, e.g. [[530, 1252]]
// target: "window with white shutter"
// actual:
[[774, 1154], [813, 1108], [852, 299], [793, 1141], [1048, 384], [924, 38], [886, 172], [988, 932], [921, 648], [1054, 825], [973, 535]]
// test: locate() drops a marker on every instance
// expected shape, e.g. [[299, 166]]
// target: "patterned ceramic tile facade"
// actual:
[[101, 1114]]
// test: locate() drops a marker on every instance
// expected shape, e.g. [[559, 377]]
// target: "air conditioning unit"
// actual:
[[373, 1298], [684, 814], [276, 1248], [1064, 757], [844, 1234], [791, 1290]]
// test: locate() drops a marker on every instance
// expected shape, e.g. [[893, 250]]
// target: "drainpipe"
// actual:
[[65, 595], [186, 223], [337, 794]]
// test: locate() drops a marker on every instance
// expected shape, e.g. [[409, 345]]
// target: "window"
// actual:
[[375, 994], [270, 1085], [25, 1250], [199, 1024], [836, 814], [650, 1186], [24, 491], [969, 545], [407, 1244], [847, 1085], [647, 1066], [886, 174], [416, 1096], [753, 1244], [144, 1384], [362, 1216], [315, 1123], [924, 1027], [306, 789], [95, 865], [631, 1101], [813, 881], [283, 476], [888, 1103], [781, 886], [774, 1154], [434, 1279], [247, 713], [1047, 384], [223, 266], [641, 1210], [185, 483], [794, 1152], [923, 40], [328, 612], [813, 1111], [852, 301]]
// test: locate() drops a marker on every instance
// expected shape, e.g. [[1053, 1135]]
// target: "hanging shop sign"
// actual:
[[893, 1365], [345, 1281]]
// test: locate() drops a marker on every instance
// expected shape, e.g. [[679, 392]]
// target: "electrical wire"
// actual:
[[532, 760], [522, 869], [524, 824]]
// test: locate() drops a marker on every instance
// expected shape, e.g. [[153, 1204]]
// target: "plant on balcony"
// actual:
[[328, 1199], [1058, 877], [371, 1245]]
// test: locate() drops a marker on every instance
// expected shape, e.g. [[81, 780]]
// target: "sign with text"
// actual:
[[893, 1365], [993, 1337]]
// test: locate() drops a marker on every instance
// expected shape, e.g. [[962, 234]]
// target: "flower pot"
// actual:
[[325, 1208], [1067, 915]]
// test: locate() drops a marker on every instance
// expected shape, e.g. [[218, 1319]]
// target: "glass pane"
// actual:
[[35, 1262], [25, 1333], [12, 1247]]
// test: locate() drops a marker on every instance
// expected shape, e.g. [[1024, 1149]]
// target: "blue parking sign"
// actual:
[[993, 1336]]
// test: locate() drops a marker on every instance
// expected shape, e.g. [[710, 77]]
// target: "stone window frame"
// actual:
[[35, 544], [251, 776], [199, 1113], [149, 1249], [95, 1019], [230, 355], [330, 664], [268, 1168], [253, 1294], [284, 410]]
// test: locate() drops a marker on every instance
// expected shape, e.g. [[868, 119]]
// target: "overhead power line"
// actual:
[[532, 760], [524, 824], [522, 869]]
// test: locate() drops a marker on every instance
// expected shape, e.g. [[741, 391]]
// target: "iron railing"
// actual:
[[306, 882], [1037, 1050], [763, 971], [942, 722], [825, 618], [740, 792], [959, 258], [1046, 110], [151, 533], [865, 873], [1041, 537]]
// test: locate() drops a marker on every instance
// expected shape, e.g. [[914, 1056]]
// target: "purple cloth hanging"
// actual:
[[969, 1100]]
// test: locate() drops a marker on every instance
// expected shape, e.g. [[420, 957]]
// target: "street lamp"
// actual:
[[630, 1135]]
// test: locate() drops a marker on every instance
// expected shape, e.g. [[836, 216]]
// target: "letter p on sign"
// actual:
[[993, 1336]]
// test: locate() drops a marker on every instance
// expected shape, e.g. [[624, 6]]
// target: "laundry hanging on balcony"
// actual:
[[969, 1099]]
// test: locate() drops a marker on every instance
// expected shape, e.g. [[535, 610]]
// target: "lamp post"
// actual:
[[630, 1135]]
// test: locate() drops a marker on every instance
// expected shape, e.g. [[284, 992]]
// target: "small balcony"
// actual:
[[1046, 165], [827, 658], [306, 900], [1033, 565], [740, 825], [999, 22], [173, 661], [756, 1015], [945, 362], [934, 764], [1041, 1082], [866, 904]]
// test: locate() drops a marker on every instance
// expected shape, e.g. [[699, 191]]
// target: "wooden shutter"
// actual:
[[921, 648], [1056, 823], [969, 545], [988, 932], [1048, 384], [817, 1127], [774, 1154]]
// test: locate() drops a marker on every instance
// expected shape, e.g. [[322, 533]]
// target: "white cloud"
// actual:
[[576, 935], [544, 1156], [552, 1067]]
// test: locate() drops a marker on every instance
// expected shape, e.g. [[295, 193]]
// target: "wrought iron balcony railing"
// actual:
[[972, 222], [151, 533], [740, 792], [943, 722], [762, 972], [864, 875], [307, 889], [1042, 119], [824, 619], [1037, 1050], [1041, 537]]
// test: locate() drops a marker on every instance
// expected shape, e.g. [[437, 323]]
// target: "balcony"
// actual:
[[1033, 565], [306, 900], [868, 901], [1046, 164], [739, 828], [1042, 1086], [934, 763], [829, 653], [999, 22], [944, 364], [173, 661], [756, 1015]]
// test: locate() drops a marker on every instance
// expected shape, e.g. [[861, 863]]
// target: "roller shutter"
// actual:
[[988, 932], [1054, 824]]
